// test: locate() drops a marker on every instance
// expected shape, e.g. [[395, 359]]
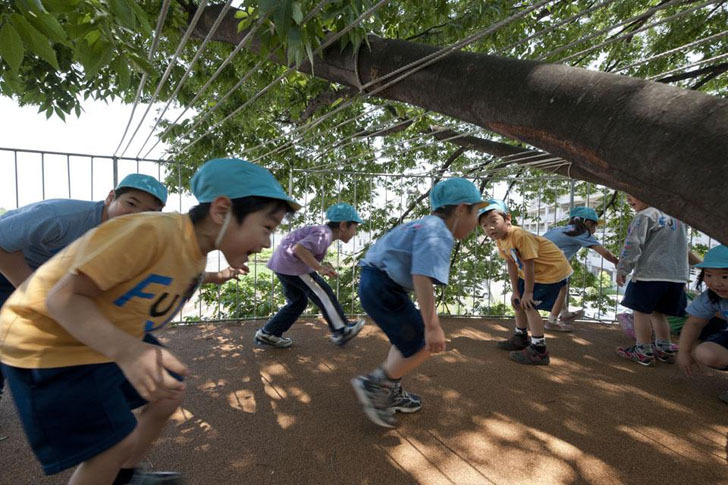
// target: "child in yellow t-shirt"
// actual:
[[72, 336], [538, 270]]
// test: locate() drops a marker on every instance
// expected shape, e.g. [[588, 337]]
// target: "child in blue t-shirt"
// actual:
[[710, 307], [414, 256], [570, 239]]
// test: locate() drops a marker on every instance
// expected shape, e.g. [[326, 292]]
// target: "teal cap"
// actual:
[[145, 183], [454, 191], [585, 213], [494, 204], [235, 178], [716, 258], [342, 212]]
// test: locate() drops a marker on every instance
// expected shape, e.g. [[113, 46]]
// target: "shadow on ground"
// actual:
[[260, 415]]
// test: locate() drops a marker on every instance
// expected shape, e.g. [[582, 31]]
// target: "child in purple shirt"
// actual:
[[297, 264]]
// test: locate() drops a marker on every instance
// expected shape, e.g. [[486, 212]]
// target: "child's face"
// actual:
[[250, 237], [636, 204], [130, 203], [717, 280], [346, 233], [591, 225], [495, 225], [466, 220]]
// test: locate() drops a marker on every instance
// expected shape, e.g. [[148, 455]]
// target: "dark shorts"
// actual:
[[656, 296], [392, 310], [71, 414], [546, 293]]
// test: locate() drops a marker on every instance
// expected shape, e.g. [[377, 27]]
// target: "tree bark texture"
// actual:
[[665, 145]]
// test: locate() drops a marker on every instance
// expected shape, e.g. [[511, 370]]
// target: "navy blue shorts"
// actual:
[[544, 292], [392, 310], [656, 296], [71, 414]]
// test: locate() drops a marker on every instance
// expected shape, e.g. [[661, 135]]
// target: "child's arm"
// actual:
[[14, 267], [229, 273], [425, 294], [694, 259], [513, 275], [307, 257], [606, 254], [633, 243], [70, 302], [527, 302], [688, 339]]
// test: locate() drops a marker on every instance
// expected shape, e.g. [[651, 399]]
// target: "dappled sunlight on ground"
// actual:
[[255, 414]]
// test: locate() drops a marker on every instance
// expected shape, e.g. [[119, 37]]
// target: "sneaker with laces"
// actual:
[[632, 353], [517, 341], [403, 401], [531, 356], [376, 398], [348, 332], [265, 338], [571, 316], [558, 326], [664, 355]]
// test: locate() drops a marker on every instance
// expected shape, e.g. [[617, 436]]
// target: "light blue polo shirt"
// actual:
[[42, 229], [705, 309], [420, 247], [570, 245]]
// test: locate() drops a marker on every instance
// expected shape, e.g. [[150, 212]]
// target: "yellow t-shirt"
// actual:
[[147, 265], [549, 263]]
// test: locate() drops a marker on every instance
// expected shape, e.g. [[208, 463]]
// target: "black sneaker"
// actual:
[[664, 355], [155, 478], [403, 401], [518, 341], [347, 333], [376, 398]]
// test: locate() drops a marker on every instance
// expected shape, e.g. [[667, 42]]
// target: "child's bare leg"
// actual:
[[660, 325], [559, 304], [397, 366], [643, 329], [521, 319], [151, 422], [103, 468], [712, 355], [535, 322]]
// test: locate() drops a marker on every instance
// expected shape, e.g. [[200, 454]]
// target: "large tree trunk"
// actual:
[[664, 145]]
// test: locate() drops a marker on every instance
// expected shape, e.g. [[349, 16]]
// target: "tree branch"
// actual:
[[716, 68]]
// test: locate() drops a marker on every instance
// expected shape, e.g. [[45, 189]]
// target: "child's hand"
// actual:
[[328, 270], [516, 300], [435, 339], [528, 303], [621, 279], [687, 364], [145, 366]]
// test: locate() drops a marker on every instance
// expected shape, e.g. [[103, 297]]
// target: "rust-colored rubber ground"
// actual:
[[258, 415]]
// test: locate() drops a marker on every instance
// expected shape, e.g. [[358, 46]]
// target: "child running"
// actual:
[[414, 256], [579, 233], [297, 262], [71, 334], [537, 270], [32, 234], [656, 253], [708, 309]]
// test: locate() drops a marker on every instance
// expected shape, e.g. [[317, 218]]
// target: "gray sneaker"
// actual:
[[265, 338], [376, 398], [347, 333], [403, 401]]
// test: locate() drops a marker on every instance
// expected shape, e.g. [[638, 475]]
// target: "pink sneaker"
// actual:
[[632, 353]]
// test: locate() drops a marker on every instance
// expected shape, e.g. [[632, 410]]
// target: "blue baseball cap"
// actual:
[[455, 191], [145, 183], [494, 204], [342, 212], [235, 178], [716, 258], [585, 213]]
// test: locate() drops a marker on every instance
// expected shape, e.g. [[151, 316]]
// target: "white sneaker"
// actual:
[[571, 316], [348, 332], [265, 338]]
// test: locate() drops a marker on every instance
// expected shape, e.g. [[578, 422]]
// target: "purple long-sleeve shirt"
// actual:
[[316, 239]]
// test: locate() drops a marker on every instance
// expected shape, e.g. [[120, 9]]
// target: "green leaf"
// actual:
[[123, 13], [119, 64], [297, 13], [142, 17], [95, 57], [11, 46], [61, 6], [49, 25], [34, 41]]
